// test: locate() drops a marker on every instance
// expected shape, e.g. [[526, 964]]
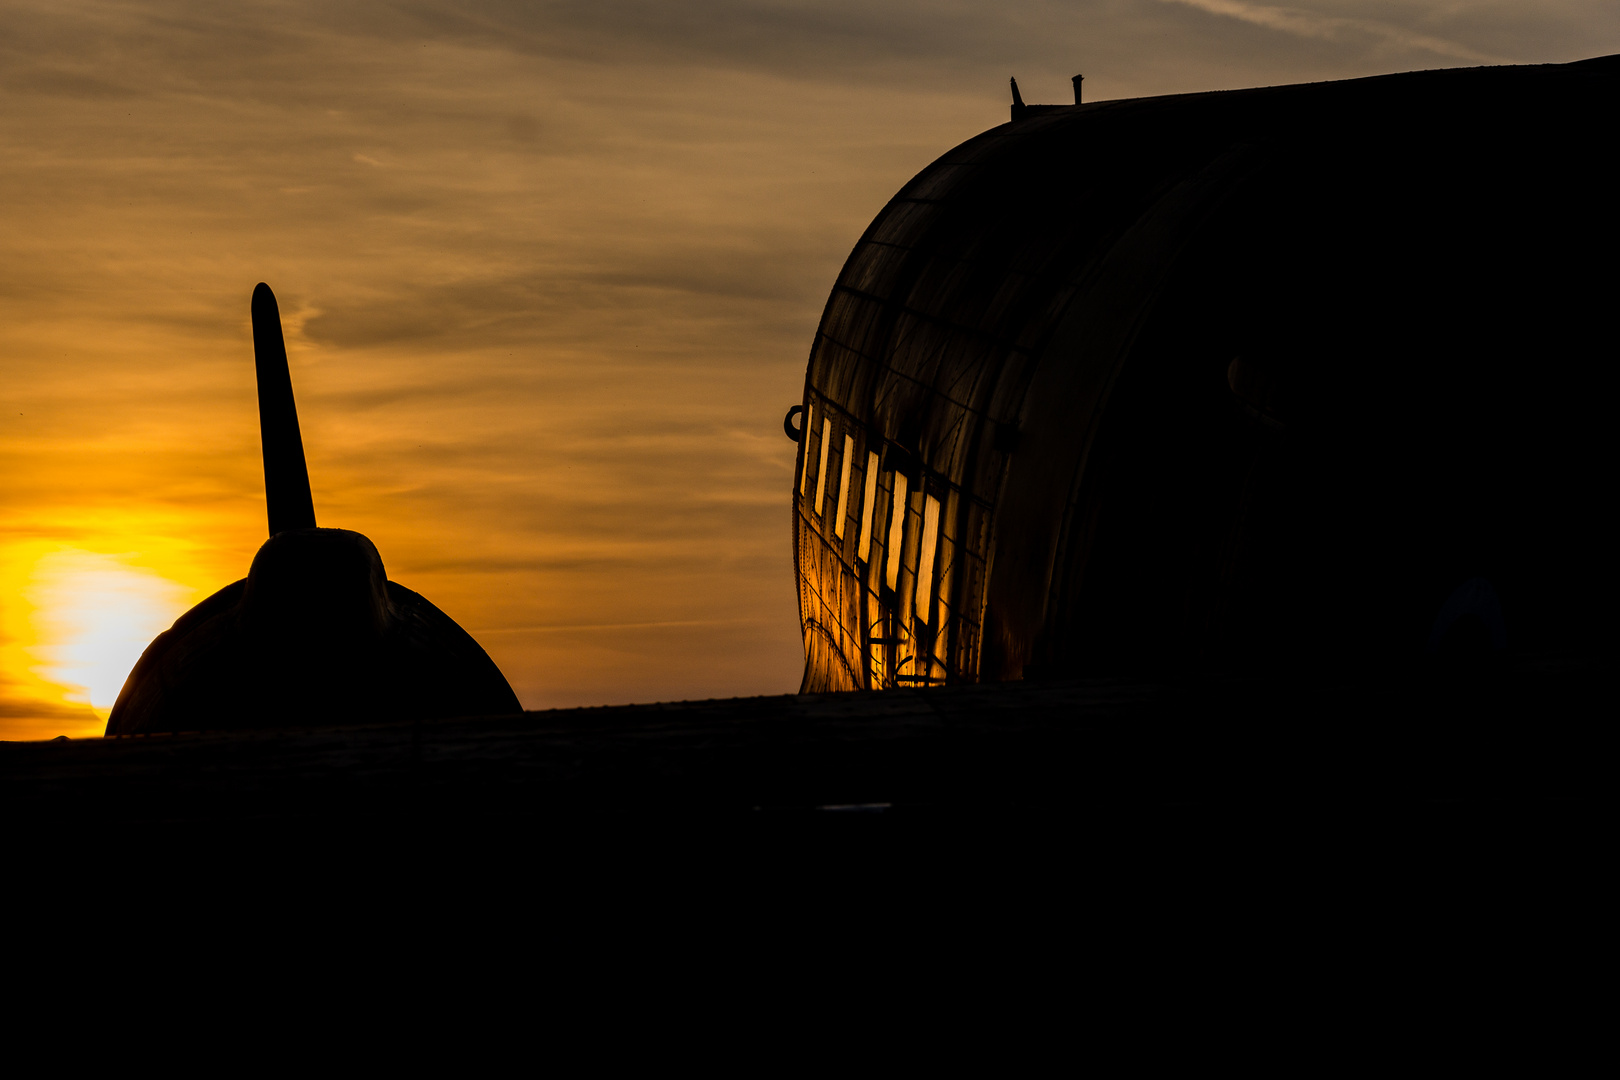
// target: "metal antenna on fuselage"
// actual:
[[286, 478]]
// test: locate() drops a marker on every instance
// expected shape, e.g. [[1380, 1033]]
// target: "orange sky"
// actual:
[[549, 275]]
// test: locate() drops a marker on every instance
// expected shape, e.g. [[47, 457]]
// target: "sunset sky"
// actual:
[[549, 274]]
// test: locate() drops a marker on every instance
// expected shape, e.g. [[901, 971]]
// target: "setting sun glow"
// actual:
[[93, 617], [75, 623]]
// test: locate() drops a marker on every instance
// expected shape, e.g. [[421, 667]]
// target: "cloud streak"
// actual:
[[1303, 23]]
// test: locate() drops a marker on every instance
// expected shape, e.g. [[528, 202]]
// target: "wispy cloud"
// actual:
[[1313, 24]]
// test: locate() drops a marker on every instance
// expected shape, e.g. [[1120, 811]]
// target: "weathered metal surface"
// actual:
[[1244, 381]]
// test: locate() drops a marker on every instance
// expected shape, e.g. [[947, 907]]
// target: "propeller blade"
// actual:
[[286, 478]]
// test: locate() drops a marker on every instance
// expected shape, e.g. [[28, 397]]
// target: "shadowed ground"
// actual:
[[1521, 734], [1118, 837]]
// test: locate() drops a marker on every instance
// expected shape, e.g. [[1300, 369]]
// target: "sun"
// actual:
[[93, 616]]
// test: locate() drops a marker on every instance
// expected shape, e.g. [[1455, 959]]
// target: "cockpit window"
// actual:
[[804, 476], [897, 525], [821, 472], [868, 504], [925, 566], [843, 487]]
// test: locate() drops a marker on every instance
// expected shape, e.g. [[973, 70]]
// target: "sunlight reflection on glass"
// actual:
[[897, 524], [925, 567], [843, 488], [821, 474], [868, 503]]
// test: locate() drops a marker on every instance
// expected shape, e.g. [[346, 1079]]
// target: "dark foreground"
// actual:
[[1529, 740], [1456, 823], [1070, 781]]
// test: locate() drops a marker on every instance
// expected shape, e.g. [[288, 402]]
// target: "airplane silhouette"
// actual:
[[1296, 378], [316, 634]]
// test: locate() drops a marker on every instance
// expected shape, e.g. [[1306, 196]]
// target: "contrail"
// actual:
[[1311, 24]]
